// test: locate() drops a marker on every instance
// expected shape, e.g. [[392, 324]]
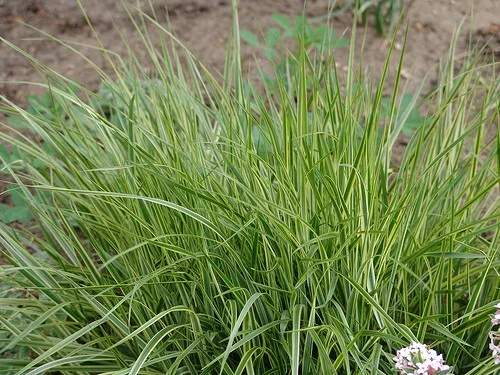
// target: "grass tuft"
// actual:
[[196, 227]]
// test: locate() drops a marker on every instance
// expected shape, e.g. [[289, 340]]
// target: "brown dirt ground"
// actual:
[[204, 25]]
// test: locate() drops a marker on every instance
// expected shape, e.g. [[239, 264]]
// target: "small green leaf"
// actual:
[[46, 100], [249, 37], [385, 106], [261, 143], [341, 42], [282, 20], [4, 154], [414, 119], [272, 37], [4, 213], [319, 33], [37, 164], [406, 100], [23, 214], [413, 122], [9, 214], [33, 99], [299, 26], [74, 87], [16, 195], [17, 122], [47, 148], [270, 53]]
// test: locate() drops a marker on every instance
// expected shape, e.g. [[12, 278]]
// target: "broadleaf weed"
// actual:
[[300, 32]]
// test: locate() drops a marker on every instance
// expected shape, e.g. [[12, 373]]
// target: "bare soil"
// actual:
[[204, 26]]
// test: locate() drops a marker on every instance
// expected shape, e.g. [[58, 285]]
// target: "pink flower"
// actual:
[[494, 346], [496, 318], [418, 359]]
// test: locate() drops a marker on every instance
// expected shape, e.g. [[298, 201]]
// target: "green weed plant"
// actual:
[[386, 13], [284, 59]]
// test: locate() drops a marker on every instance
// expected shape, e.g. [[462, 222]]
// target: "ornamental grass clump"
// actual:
[[187, 224]]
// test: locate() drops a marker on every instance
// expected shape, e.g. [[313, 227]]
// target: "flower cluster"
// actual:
[[495, 336], [418, 359]]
